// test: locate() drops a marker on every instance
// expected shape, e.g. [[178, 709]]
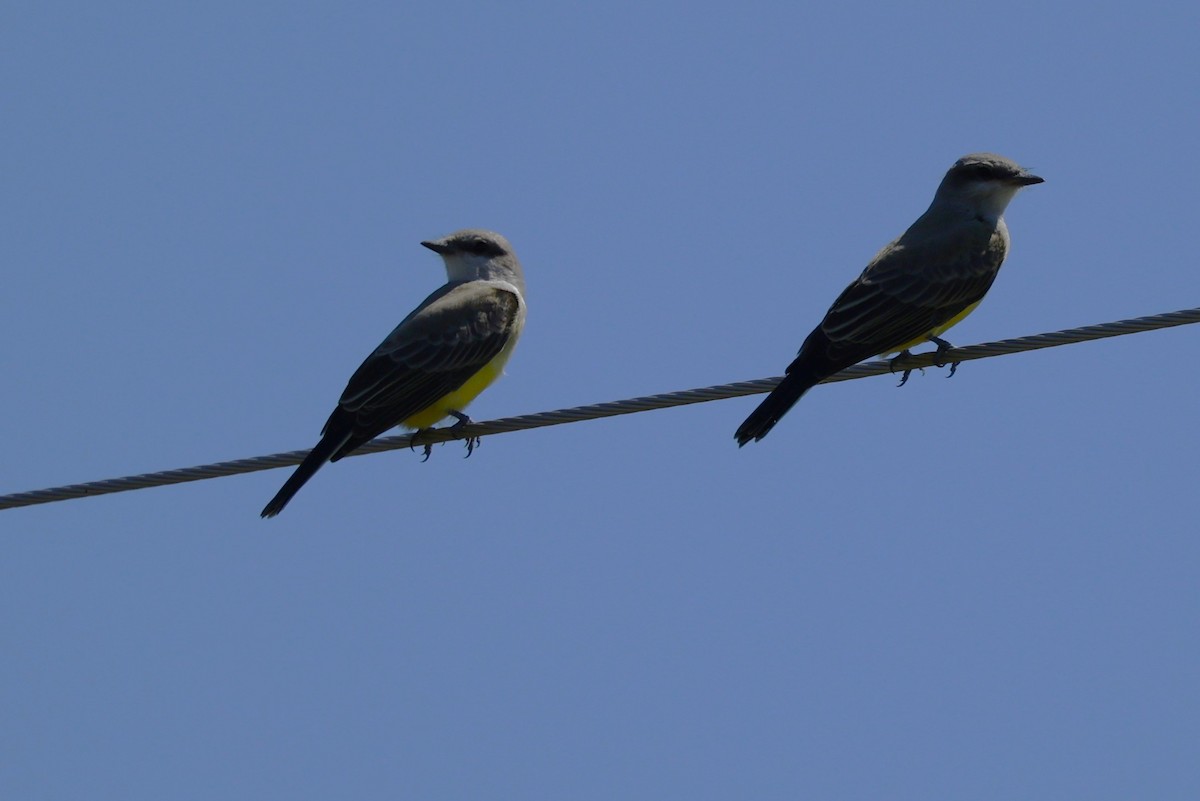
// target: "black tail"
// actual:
[[316, 458], [783, 397]]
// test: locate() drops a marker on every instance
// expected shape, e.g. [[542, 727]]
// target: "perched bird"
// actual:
[[914, 289], [442, 355]]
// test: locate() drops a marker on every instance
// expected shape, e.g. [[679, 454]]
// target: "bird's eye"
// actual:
[[982, 171]]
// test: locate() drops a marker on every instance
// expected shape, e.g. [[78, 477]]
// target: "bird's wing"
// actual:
[[445, 341], [912, 287]]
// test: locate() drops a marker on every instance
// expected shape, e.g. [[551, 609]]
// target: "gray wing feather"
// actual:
[[912, 287]]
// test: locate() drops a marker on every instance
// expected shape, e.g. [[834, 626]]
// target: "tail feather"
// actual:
[[315, 460], [776, 405]]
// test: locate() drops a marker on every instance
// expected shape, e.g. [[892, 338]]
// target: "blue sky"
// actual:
[[977, 588]]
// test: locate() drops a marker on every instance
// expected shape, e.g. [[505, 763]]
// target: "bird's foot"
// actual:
[[899, 359], [414, 441], [462, 420], [942, 347]]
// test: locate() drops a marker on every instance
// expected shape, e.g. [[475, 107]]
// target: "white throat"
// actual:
[[989, 199], [470, 267]]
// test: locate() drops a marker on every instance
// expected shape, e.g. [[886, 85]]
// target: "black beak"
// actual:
[[440, 247], [1029, 179]]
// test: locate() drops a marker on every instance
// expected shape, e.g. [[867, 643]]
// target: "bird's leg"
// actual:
[[463, 420], [899, 358], [942, 347], [428, 447], [460, 421]]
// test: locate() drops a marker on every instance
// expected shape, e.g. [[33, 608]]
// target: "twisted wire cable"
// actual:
[[595, 411]]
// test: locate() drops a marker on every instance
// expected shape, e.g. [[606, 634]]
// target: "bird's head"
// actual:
[[473, 253], [985, 182]]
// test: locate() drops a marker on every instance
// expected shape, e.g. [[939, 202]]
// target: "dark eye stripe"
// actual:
[[482, 247]]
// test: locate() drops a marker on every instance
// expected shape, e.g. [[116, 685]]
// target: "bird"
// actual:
[[916, 288], [437, 360]]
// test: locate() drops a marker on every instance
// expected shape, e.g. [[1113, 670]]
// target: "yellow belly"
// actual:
[[933, 332], [459, 398]]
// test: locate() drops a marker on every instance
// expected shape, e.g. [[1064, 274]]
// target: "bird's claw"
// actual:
[[427, 447], [898, 358], [942, 347], [462, 420]]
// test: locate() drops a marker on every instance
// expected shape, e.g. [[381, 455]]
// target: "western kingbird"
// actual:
[[918, 286], [442, 355]]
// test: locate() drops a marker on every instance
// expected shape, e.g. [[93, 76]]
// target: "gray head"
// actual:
[[473, 253], [985, 182]]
